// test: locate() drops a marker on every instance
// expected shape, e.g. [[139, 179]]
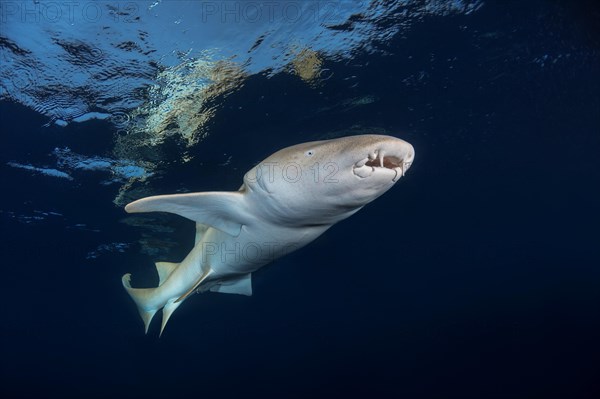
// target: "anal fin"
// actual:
[[241, 285]]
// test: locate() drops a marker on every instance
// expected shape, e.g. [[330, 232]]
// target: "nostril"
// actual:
[[372, 162]]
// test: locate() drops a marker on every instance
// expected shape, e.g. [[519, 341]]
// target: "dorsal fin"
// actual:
[[164, 270], [225, 211]]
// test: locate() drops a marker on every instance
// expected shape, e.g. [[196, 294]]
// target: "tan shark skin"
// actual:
[[285, 202]]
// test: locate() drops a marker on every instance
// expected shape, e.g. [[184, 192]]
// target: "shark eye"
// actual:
[[309, 153]]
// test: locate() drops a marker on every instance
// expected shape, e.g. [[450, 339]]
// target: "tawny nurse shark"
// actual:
[[285, 202]]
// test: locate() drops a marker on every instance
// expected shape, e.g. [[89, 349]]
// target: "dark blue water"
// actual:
[[476, 277]]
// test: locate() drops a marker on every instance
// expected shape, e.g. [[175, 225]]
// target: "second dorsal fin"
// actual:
[[164, 270]]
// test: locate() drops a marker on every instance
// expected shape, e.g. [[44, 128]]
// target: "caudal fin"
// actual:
[[143, 298], [149, 301]]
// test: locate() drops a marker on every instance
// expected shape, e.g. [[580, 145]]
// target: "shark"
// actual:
[[285, 202]]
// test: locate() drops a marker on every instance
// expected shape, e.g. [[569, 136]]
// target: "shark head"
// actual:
[[321, 182]]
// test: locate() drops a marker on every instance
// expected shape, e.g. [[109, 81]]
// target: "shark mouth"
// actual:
[[377, 161]]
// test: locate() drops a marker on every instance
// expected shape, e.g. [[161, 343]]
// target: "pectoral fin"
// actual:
[[200, 231], [222, 210]]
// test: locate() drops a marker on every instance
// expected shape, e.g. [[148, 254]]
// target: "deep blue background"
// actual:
[[477, 276]]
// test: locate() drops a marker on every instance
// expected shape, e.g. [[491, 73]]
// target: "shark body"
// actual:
[[286, 201]]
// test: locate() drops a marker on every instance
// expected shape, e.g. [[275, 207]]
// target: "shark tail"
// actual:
[[149, 300]]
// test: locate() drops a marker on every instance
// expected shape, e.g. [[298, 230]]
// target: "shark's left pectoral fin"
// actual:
[[222, 210]]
